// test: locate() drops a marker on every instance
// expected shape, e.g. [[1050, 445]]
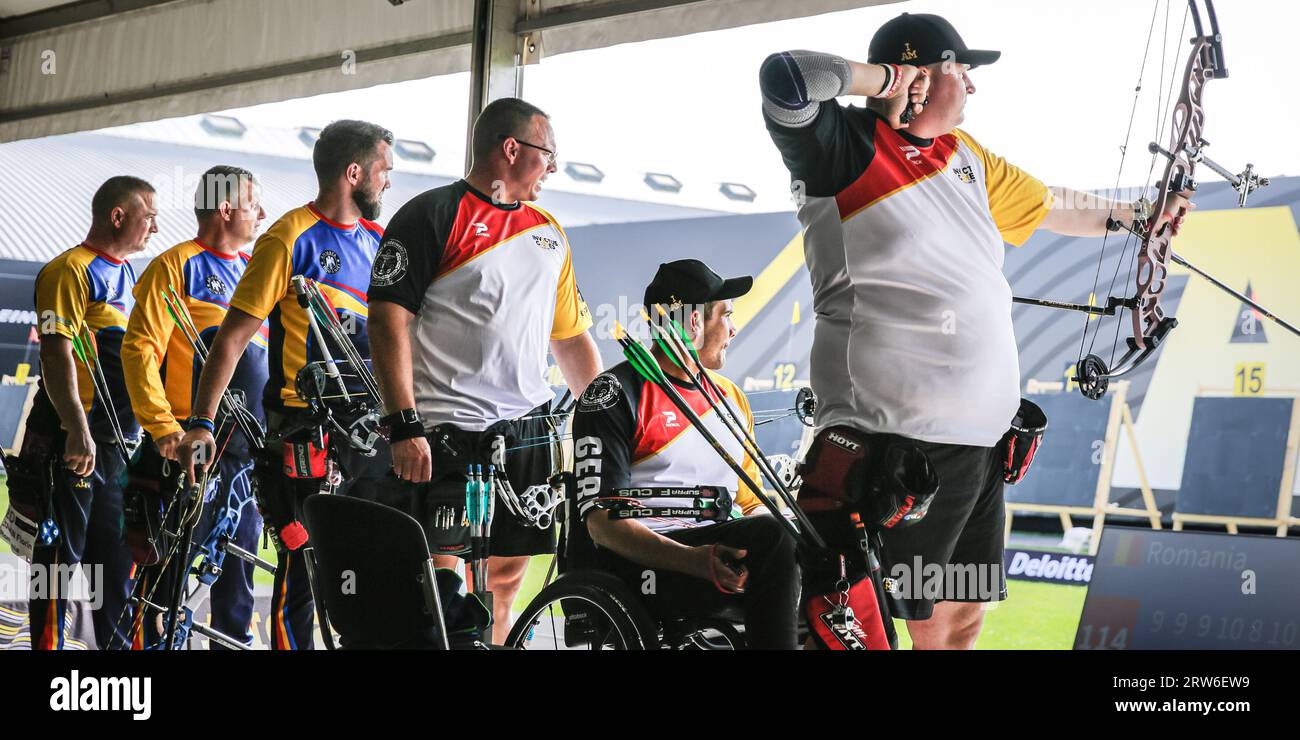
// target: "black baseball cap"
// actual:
[[919, 39], [692, 282]]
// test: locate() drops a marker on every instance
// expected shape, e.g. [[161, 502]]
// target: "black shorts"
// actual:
[[953, 554], [532, 454], [960, 540]]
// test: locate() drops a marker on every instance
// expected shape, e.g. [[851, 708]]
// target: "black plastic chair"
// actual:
[[374, 574]]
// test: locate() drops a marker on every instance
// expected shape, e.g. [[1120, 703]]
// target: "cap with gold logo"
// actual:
[[692, 282], [920, 39]]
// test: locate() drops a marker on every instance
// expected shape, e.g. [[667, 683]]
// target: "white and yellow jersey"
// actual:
[[628, 434], [904, 239], [490, 285]]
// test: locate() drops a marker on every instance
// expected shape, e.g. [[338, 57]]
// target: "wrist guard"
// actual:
[[404, 424]]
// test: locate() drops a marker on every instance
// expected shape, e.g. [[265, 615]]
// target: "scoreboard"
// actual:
[[1165, 590]]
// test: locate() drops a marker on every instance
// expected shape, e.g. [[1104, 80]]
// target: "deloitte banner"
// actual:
[[1049, 567]]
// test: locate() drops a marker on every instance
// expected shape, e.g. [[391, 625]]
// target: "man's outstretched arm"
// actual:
[[60, 375], [234, 334], [1075, 213]]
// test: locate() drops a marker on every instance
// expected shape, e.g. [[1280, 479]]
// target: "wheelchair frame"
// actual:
[[600, 611]]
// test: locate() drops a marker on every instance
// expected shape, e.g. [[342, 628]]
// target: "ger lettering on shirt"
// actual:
[[629, 434], [491, 285]]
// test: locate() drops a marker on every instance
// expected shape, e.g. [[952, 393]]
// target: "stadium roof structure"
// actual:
[[49, 211], [76, 66]]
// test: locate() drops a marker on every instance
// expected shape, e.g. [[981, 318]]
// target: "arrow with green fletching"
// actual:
[[662, 342], [639, 357], [81, 353], [680, 331], [677, 345], [235, 409], [648, 367], [84, 349]]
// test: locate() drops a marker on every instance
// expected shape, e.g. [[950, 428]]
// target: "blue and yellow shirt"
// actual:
[[86, 288], [164, 368], [338, 257]]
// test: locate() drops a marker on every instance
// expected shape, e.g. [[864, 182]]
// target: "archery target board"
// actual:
[[1237, 455], [1165, 590], [1067, 467]]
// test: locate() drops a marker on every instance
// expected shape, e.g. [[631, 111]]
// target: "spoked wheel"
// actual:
[[583, 610], [1092, 376]]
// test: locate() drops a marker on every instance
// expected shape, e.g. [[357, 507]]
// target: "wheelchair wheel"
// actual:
[[583, 610]]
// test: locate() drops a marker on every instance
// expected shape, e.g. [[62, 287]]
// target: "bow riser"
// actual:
[[1153, 257], [1151, 326]]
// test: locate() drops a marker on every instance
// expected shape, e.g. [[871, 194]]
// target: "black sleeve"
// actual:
[[603, 427], [412, 248], [830, 153]]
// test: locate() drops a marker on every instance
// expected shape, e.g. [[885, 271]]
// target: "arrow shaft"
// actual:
[[1239, 296], [236, 410], [629, 348], [730, 418]]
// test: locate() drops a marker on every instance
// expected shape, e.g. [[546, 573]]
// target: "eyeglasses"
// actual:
[[550, 154]]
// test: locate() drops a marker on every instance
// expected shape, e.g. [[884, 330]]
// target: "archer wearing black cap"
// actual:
[[636, 457], [906, 221], [701, 301]]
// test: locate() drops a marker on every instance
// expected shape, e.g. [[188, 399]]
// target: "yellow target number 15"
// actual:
[[1248, 380]]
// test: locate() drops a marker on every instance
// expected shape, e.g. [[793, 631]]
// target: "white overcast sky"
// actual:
[[1057, 104]]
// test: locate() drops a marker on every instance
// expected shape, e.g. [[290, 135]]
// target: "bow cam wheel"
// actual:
[[1092, 375]]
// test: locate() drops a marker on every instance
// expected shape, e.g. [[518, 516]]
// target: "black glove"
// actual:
[[902, 487]]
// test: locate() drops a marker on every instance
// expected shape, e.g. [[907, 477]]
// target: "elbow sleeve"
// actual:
[[794, 83]]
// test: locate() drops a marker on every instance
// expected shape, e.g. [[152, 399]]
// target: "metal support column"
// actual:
[[494, 60]]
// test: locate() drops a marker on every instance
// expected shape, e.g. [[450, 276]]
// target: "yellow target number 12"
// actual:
[[1248, 380], [784, 373]]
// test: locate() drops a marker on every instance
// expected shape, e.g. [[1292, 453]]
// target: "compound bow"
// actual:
[[1151, 325]]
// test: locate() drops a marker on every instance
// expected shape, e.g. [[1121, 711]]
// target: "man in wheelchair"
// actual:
[[667, 514]]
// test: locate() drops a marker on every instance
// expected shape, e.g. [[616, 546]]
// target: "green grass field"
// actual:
[[1037, 616]]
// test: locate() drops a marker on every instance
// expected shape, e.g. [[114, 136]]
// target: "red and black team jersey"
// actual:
[[490, 285], [628, 434]]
